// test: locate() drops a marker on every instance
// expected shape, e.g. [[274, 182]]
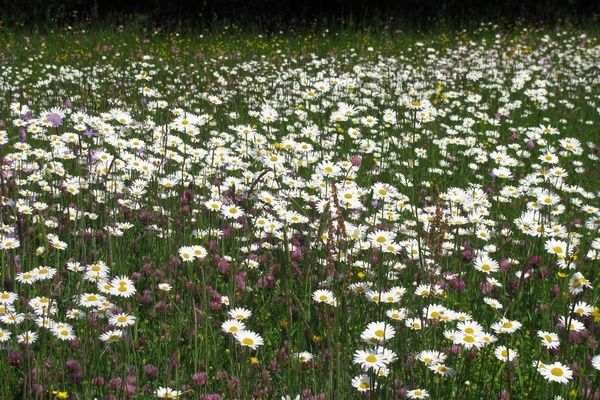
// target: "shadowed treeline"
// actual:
[[277, 13]]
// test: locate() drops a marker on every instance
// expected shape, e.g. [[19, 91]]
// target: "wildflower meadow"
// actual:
[[317, 215]]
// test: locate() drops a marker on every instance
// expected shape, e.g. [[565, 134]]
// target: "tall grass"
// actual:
[[379, 214]]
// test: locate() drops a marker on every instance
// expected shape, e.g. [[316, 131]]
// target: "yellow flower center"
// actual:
[[371, 358]]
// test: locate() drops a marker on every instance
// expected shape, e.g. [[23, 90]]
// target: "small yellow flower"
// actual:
[[596, 314], [283, 323], [254, 360], [60, 395]]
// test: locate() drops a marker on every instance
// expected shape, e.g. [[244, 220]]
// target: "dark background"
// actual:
[[272, 14]]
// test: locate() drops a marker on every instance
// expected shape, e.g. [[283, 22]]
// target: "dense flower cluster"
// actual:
[[427, 211]]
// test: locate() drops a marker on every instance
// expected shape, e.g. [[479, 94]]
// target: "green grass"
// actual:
[[225, 140]]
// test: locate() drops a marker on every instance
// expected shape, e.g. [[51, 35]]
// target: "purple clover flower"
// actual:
[[55, 119], [89, 133]]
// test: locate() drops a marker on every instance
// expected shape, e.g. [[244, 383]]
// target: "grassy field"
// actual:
[[330, 215]]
